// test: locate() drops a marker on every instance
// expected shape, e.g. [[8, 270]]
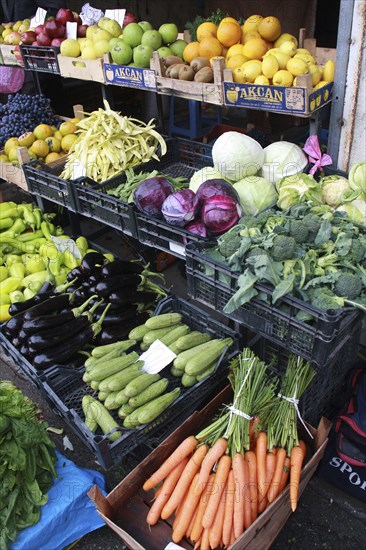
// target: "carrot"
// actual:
[[250, 458], [270, 467], [213, 455], [221, 475], [205, 541], [190, 504], [183, 450], [164, 492], [252, 427], [197, 545], [233, 539], [260, 454], [275, 483], [240, 487], [215, 531], [185, 480], [262, 505], [302, 444], [197, 527], [229, 507], [296, 457], [190, 527], [246, 496], [285, 474]]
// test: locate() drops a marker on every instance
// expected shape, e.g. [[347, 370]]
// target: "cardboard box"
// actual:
[[129, 77], [207, 92], [124, 509], [82, 69], [11, 55]]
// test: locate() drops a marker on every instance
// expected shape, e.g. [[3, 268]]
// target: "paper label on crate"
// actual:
[[173, 546], [118, 15], [78, 170], [71, 30], [39, 18], [177, 248], [157, 357], [66, 244]]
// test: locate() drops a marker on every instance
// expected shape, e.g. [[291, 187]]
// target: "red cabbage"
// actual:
[[150, 195], [197, 227], [179, 207], [215, 187], [219, 213]]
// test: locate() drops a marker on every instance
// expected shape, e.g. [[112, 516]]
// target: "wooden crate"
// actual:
[[82, 69], [11, 55], [207, 92], [321, 55], [124, 509]]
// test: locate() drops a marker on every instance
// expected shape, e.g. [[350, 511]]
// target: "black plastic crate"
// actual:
[[321, 397], [64, 389], [46, 182], [40, 58], [213, 284]]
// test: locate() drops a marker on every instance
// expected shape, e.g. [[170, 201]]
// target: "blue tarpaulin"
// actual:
[[69, 513]]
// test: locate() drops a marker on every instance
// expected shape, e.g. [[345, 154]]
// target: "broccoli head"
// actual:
[[298, 231], [256, 251], [263, 216], [358, 251], [283, 248], [327, 301], [229, 244], [348, 285], [274, 221], [313, 225], [249, 221]]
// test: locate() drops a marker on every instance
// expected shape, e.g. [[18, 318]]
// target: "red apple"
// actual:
[[35, 43], [43, 39], [77, 18], [82, 31], [57, 42], [129, 18], [28, 37], [39, 29], [55, 29], [63, 15]]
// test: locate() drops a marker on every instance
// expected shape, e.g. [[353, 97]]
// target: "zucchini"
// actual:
[[182, 358], [176, 372], [144, 347], [194, 338], [110, 402], [103, 386], [101, 351], [121, 398], [151, 410], [86, 377], [210, 369], [90, 421], [92, 362], [153, 335], [174, 334], [188, 381], [120, 380], [102, 395], [138, 332], [163, 320], [139, 384], [131, 421], [173, 348], [96, 410], [100, 372], [94, 384], [151, 392], [125, 410], [200, 362]]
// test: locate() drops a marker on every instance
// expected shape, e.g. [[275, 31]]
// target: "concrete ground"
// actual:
[[326, 517]]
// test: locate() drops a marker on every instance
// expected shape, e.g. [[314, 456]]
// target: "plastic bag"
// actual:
[[69, 513], [11, 79], [89, 15]]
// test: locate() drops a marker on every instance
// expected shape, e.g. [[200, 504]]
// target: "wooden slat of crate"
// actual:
[[83, 69], [200, 91], [321, 55]]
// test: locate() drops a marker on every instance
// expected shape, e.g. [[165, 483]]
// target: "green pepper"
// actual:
[[35, 286], [9, 284], [16, 229], [109, 257], [28, 293], [8, 210], [59, 231], [30, 236], [46, 230], [6, 223], [16, 296], [49, 250], [4, 312], [28, 216], [4, 298], [70, 261], [38, 217], [41, 276], [17, 270], [82, 245], [11, 243], [34, 264], [12, 259], [4, 273], [61, 279], [54, 264]]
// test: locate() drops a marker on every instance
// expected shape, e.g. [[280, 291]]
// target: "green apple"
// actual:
[[142, 55], [177, 47], [164, 51], [146, 26], [152, 38], [121, 52], [101, 34], [169, 32], [132, 34], [110, 25], [101, 47], [113, 41]]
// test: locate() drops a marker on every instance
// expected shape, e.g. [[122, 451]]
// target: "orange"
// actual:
[[269, 28], [206, 29], [236, 61], [255, 48], [210, 47], [229, 33], [251, 24], [229, 20], [234, 50], [191, 51]]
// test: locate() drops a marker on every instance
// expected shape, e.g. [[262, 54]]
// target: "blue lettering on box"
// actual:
[[131, 77]]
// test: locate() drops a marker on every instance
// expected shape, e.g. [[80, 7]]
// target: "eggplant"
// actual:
[[74, 362], [91, 260], [12, 327], [16, 342], [95, 276], [52, 304], [127, 297], [52, 337], [118, 316], [122, 267], [76, 273], [22, 335], [46, 287], [118, 282], [20, 307], [80, 295], [24, 350], [111, 334]]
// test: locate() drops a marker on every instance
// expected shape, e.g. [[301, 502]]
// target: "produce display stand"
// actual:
[[40, 58], [11, 55], [125, 508], [64, 390]]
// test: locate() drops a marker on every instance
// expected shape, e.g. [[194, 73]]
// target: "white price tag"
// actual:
[[71, 29], [157, 357], [177, 248], [39, 18], [173, 546], [78, 170], [118, 15]]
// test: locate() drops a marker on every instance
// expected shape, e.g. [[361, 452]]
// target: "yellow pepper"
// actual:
[[9, 285], [4, 313]]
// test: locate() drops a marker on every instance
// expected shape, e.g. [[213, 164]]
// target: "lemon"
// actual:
[[236, 49], [13, 154], [4, 158], [88, 53], [306, 57], [321, 84], [315, 73], [238, 75], [288, 47], [252, 23], [284, 37], [10, 143], [261, 79], [297, 66], [251, 69], [282, 59], [282, 78], [272, 51], [269, 66], [328, 71], [236, 61]]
